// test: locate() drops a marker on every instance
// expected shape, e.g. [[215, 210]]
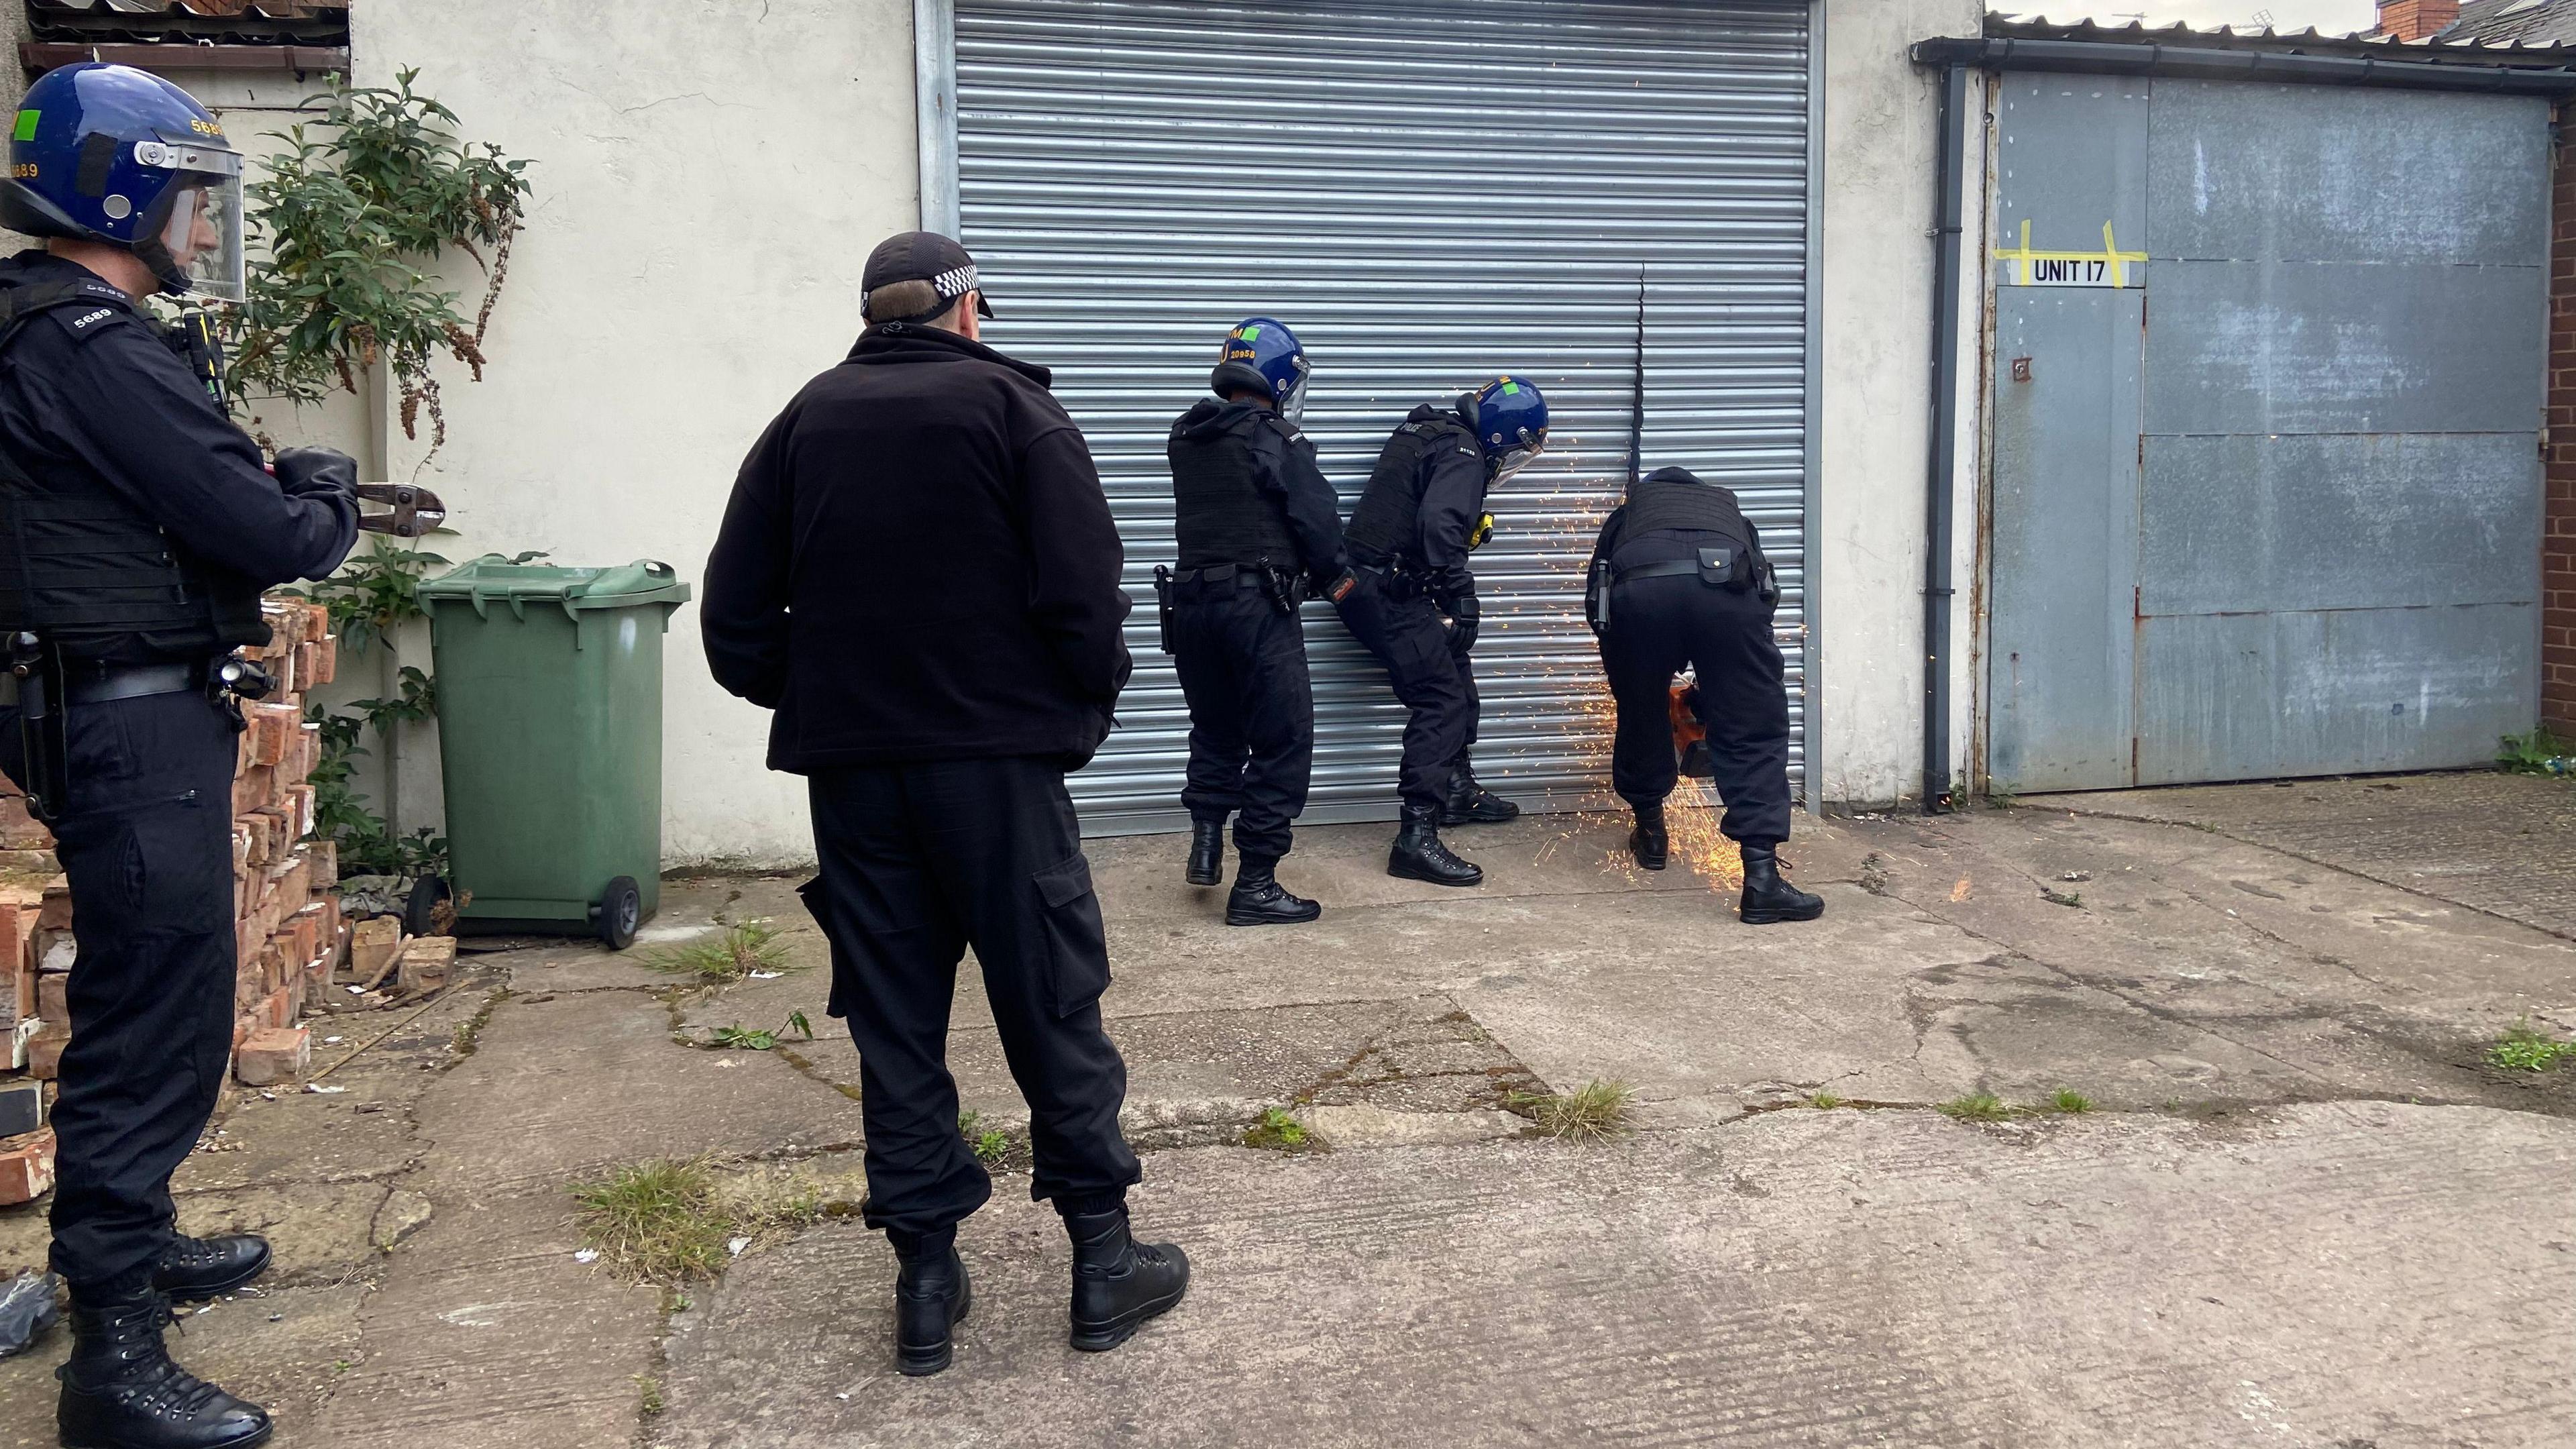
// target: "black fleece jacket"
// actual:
[[918, 563]]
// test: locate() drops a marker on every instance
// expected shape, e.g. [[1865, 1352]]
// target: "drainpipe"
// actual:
[[1943, 476]]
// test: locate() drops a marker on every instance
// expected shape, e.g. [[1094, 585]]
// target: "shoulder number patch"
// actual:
[[85, 319]]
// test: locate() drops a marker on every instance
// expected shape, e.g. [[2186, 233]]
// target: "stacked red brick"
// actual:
[[289, 934]]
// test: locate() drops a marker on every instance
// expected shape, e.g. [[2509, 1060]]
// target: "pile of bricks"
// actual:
[[289, 933]]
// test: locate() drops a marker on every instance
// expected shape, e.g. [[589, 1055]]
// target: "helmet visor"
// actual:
[[203, 233], [1518, 456], [1292, 408], [204, 236]]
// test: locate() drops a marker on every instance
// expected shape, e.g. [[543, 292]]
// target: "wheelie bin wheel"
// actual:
[[420, 909], [619, 912]]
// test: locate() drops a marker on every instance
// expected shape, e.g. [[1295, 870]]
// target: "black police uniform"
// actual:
[[139, 527], [1408, 543], [1679, 579], [1259, 530]]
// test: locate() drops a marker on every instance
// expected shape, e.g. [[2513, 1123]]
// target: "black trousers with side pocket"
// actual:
[[1431, 677], [1659, 625], [146, 840], [920, 862], [1242, 663]]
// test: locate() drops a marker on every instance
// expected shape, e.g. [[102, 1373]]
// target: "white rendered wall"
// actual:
[[708, 179], [1868, 533]]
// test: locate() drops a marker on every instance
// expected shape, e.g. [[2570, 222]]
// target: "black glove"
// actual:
[[1462, 614], [303, 472]]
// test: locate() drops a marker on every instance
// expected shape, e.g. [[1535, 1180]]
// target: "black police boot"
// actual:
[[1769, 900], [121, 1391], [1472, 804], [1419, 855], [1118, 1282], [194, 1269], [1648, 842], [1258, 899], [1207, 852], [931, 1295]]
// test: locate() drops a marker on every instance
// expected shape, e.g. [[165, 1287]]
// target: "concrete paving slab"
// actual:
[[2503, 844], [486, 1333], [2336, 1274]]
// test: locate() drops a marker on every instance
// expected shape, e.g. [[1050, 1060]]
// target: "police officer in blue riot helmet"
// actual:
[[138, 529], [1410, 598], [1259, 532]]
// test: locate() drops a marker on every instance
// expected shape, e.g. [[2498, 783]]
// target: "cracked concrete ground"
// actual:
[[2304, 1211]]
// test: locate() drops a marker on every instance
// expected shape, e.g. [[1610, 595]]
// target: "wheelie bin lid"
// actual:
[[497, 579]]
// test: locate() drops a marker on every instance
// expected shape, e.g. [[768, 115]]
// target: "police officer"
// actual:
[[1260, 530], [1410, 598], [138, 528], [1679, 579], [918, 572]]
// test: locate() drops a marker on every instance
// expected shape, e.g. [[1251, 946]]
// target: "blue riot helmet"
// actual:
[[1511, 422], [111, 154], [1261, 355]]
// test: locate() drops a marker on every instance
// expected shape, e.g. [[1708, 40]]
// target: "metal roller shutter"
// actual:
[[1430, 193]]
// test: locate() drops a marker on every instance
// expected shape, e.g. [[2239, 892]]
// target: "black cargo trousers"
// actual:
[[1659, 625], [1431, 675], [920, 862], [1242, 663], [146, 840]]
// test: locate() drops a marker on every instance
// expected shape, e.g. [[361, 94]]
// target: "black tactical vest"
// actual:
[[1387, 524], [1662, 503], [1221, 517], [84, 568]]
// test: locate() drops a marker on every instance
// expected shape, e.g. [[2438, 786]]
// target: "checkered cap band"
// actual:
[[955, 282]]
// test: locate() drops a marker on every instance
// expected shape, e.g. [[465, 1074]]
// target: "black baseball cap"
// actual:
[[916, 275]]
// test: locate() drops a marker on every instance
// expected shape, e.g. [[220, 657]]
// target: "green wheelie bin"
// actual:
[[550, 742]]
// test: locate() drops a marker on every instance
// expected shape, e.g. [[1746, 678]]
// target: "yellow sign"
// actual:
[[2031, 267]]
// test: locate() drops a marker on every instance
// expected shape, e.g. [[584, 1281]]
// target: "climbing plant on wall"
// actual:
[[364, 200]]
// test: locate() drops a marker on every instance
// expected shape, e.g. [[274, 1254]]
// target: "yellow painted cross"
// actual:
[[2109, 266]]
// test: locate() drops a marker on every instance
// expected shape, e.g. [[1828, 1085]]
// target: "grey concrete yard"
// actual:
[[2303, 1212]]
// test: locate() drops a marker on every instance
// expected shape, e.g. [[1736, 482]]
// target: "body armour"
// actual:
[[1387, 523], [1670, 500], [86, 569], [1220, 515]]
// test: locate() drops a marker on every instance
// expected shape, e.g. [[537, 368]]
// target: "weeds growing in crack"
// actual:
[[992, 1145], [671, 1221], [2522, 1049], [740, 951], [1873, 873], [753, 1039], [651, 1390], [1824, 1101], [1594, 1112], [2070, 1101], [1975, 1107], [469, 1032], [1277, 1132]]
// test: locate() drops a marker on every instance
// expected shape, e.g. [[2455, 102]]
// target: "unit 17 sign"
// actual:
[[2027, 266]]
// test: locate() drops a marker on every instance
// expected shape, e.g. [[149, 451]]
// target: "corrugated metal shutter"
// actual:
[[1430, 193]]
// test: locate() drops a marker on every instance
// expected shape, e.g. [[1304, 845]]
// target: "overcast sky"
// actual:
[[2331, 16]]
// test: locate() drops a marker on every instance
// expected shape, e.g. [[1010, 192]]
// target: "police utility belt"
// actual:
[[43, 686], [1719, 566], [1284, 588]]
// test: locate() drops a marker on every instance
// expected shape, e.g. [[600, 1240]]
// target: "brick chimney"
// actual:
[[2415, 19]]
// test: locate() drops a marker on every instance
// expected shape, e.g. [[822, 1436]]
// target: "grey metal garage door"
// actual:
[[2268, 366], [1430, 192]]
